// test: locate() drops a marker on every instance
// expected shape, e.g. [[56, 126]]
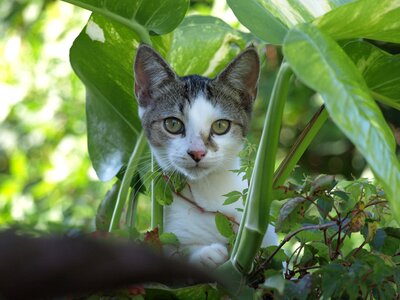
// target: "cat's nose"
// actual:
[[197, 155]]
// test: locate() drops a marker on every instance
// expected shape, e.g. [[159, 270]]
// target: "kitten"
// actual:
[[196, 126]]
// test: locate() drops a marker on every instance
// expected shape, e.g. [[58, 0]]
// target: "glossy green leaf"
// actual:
[[270, 19], [329, 71], [106, 70], [102, 56], [154, 16], [381, 70], [378, 20], [253, 15], [293, 12], [204, 45]]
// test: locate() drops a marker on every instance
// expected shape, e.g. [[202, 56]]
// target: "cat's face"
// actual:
[[195, 125]]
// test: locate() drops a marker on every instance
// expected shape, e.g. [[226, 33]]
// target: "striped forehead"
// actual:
[[201, 114]]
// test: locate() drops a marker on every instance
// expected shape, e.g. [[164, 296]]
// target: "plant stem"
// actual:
[[301, 144], [126, 181], [140, 30], [132, 206], [256, 213], [156, 207]]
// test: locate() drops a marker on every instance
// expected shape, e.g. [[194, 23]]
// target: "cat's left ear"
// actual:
[[243, 72]]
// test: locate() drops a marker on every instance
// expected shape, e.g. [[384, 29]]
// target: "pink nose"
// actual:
[[197, 155]]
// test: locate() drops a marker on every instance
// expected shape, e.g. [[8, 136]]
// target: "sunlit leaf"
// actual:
[[378, 20], [155, 16], [329, 71], [106, 70], [204, 45], [253, 15], [270, 19], [381, 70]]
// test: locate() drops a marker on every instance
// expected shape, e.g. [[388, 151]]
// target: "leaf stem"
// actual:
[[299, 146], [126, 181], [256, 213], [130, 23], [157, 210]]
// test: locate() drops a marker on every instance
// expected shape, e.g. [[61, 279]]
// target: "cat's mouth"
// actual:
[[196, 171]]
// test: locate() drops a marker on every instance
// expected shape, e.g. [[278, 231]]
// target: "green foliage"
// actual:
[[330, 72], [340, 237], [46, 180], [320, 265]]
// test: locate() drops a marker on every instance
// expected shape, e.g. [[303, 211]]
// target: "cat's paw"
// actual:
[[210, 256]]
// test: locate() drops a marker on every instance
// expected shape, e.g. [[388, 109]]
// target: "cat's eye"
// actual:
[[173, 125], [220, 127]]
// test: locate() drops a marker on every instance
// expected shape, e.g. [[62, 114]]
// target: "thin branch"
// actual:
[[376, 203], [292, 234], [359, 248]]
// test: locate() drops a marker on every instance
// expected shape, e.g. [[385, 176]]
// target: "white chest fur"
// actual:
[[191, 216]]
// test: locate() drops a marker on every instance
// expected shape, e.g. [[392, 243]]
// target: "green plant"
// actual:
[[325, 46]]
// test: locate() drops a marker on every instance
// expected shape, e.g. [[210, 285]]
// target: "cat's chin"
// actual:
[[195, 173]]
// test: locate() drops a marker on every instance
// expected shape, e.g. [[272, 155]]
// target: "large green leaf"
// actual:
[[270, 19], [102, 56], [156, 16], [105, 67], [293, 12], [379, 20], [381, 70], [325, 67], [204, 45]]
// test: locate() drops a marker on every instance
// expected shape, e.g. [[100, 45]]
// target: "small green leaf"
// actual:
[[323, 183], [291, 212], [232, 197], [224, 226], [162, 191], [377, 20], [169, 238]]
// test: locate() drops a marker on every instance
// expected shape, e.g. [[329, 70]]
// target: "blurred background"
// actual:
[[47, 183]]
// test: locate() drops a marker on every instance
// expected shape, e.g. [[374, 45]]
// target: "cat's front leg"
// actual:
[[210, 256]]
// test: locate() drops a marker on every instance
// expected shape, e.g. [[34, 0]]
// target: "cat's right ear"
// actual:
[[151, 71]]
